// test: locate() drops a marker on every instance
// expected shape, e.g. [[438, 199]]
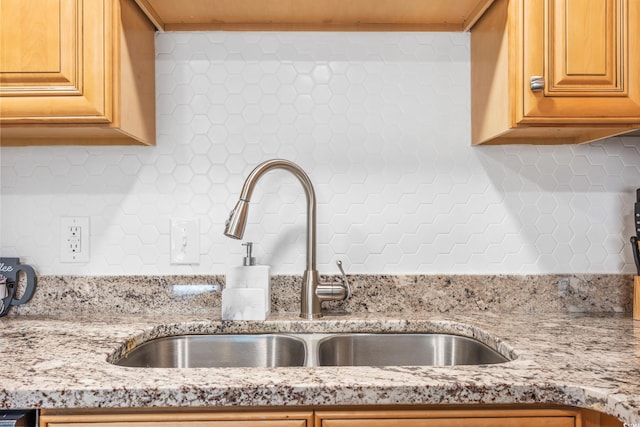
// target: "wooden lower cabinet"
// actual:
[[344, 417], [465, 418], [159, 418]]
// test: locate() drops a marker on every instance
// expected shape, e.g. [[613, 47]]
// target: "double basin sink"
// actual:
[[288, 350]]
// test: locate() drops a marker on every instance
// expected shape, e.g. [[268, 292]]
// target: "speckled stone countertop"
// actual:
[[590, 361], [56, 359]]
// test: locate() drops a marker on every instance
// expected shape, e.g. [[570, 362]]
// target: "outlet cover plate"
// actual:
[[74, 239]]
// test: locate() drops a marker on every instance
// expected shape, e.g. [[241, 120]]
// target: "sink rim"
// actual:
[[465, 339], [186, 339], [311, 339]]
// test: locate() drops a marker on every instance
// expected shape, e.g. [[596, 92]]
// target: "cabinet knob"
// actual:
[[537, 83]]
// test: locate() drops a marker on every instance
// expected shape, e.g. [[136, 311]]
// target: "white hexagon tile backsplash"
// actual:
[[379, 121]]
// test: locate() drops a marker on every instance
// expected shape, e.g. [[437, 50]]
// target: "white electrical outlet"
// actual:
[[185, 241], [74, 239]]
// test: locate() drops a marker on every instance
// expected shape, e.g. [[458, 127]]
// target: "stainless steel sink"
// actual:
[[404, 350], [286, 350], [219, 351]]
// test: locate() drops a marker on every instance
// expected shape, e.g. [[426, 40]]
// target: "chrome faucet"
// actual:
[[313, 291]]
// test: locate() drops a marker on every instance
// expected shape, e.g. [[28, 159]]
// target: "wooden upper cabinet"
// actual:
[[582, 49], [76, 72], [44, 73], [82, 71], [324, 15], [560, 71]]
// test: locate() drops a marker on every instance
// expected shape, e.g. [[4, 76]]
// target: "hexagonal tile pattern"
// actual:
[[379, 121]]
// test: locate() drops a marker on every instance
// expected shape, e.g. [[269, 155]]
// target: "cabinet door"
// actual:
[[449, 418], [38, 46], [455, 422], [187, 418], [54, 64], [179, 423], [587, 52]]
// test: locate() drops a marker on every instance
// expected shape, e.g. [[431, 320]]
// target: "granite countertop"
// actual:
[[584, 360]]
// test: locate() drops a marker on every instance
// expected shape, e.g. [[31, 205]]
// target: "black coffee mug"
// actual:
[[10, 269]]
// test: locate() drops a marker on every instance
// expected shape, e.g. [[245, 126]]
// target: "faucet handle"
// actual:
[[334, 291], [344, 278]]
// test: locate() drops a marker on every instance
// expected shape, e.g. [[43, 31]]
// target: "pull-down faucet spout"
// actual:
[[313, 292]]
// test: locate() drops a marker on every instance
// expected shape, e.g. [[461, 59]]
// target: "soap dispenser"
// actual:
[[255, 294]]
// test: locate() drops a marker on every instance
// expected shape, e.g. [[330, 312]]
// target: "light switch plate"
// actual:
[[185, 241]]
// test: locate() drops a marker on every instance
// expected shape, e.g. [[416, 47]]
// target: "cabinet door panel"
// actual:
[[177, 423], [586, 42], [38, 47], [37, 44], [54, 61], [587, 52], [456, 422], [184, 418]]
